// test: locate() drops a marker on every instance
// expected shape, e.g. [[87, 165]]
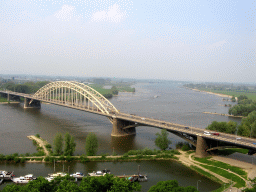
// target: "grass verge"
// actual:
[[239, 182], [234, 169]]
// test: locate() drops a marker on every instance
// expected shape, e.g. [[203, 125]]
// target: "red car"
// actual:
[[216, 134]]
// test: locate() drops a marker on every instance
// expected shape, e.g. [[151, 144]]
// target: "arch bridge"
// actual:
[[79, 96]]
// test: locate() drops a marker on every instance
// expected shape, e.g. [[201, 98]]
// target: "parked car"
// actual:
[[238, 138], [216, 134], [142, 118], [186, 127], [207, 133]]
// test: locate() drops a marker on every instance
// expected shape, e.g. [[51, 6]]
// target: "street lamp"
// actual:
[[197, 184]]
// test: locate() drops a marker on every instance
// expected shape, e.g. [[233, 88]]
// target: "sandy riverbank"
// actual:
[[218, 94]]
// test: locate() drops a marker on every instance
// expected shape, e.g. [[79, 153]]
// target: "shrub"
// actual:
[[62, 158], [27, 154], [69, 158], [15, 154], [22, 160], [16, 159], [48, 146], [9, 157], [34, 142], [37, 135], [186, 147], [47, 158], [2, 157]]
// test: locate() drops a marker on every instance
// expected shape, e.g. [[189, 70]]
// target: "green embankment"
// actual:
[[239, 182], [250, 95], [2, 99], [226, 166], [227, 152]]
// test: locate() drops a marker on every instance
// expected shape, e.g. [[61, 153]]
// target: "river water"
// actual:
[[174, 104]]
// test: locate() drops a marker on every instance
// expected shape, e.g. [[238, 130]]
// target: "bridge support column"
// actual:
[[33, 104], [118, 128], [201, 147]]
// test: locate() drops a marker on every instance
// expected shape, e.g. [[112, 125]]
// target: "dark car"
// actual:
[[186, 127], [216, 134]]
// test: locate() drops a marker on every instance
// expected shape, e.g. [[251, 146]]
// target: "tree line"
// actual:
[[244, 107], [107, 183], [247, 127], [28, 87]]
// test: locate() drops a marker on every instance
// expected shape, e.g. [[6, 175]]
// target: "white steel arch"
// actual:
[[75, 94]]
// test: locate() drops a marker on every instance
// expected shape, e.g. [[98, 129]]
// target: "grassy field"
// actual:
[[2, 99], [239, 182], [234, 169], [227, 152], [251, 96]]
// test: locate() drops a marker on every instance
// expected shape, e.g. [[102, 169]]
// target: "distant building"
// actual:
[[99, 81]]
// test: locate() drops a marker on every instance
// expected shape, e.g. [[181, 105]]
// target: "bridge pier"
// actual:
[[28, 103], [119, 129], [201, 147]]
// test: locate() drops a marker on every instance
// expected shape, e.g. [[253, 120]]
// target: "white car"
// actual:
[[207, 133]]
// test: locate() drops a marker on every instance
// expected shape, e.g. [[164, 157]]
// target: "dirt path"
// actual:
[[40, 142], [184, 158], [250, 169]]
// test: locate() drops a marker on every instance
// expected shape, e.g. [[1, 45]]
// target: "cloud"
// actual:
[[113, 14], [66, 13]]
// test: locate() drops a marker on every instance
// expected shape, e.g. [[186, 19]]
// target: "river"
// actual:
[[173, 103]]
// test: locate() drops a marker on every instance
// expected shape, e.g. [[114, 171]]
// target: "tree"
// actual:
[[233, 99], [248, 125], [91, 144], [70, 145], [58, 144], [114, 90], [161, 140], [171, 185]]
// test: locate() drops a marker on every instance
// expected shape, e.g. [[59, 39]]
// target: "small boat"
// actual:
[[138, 178], [77, 175], [156, 96], [23, 179], [99, 173], [6, 175], [61, 174], [51, 176]]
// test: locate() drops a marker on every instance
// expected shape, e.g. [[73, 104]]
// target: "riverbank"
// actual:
[[218, 94], [222, 114]]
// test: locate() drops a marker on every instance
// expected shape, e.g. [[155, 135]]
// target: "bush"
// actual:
[[47, 158], [37, 135], [62, 158], [48, 146], [9, 157], [2, 157], [186, 147], [16, 155], [69, 158], [16, 159], [39, 148], [22, 160], [39, 153], [27, 154], [34, 142]]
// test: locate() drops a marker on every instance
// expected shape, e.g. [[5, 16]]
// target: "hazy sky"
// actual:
[[201, 40]]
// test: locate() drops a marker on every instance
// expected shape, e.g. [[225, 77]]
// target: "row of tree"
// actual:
[[91, 144], [108, 183], [244, 106], [28, 87], [247, 127]]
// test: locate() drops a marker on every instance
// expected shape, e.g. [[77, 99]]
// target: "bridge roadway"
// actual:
[[183, 130]]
